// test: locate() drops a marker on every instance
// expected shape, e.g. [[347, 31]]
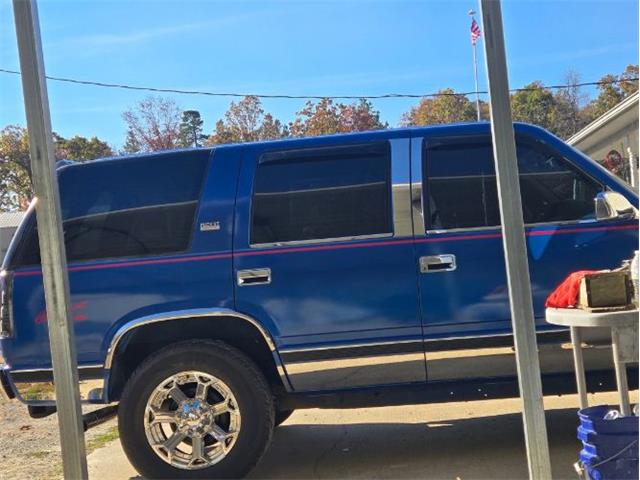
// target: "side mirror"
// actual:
[[612, 205]]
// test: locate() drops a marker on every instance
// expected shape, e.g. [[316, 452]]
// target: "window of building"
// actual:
[[461, 185], [322, 193]]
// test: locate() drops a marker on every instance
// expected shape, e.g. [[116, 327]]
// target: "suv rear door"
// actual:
[[463, 290], [323, 257]]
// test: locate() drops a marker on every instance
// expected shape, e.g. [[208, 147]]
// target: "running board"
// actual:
[[89, 420]]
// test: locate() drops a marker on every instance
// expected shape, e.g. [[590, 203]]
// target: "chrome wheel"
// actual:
[[192, 420]]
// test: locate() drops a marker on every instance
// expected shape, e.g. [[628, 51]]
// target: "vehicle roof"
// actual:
[[468, 128]]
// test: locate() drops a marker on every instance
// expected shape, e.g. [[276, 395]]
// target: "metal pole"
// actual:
[[475, 77], [475, 69], [515, 248], [54, 260]]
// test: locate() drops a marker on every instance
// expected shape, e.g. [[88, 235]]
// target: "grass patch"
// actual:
[[38, 391], [39, 454], [102, 439]]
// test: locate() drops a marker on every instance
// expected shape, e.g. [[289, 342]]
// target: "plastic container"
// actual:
[[610, 447]]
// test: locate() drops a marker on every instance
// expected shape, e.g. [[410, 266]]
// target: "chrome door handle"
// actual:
[[438, 263], [255, 276]]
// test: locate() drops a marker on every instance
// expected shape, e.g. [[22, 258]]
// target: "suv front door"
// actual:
[[323, 257]]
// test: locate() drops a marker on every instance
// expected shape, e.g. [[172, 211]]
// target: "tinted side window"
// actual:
[[461, 187], [136, 207], [322, 193]]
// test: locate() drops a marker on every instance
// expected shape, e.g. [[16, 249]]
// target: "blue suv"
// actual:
[[214, 291]]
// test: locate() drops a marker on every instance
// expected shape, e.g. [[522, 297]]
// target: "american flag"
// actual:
[[475, 31]]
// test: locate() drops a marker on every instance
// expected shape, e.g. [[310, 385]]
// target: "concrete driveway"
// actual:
[[444, 441]]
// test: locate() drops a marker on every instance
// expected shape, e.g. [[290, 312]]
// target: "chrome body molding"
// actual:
[[186, 314], [355, 365], [47, 370], [559, 223], [400, 187], [350, 345], [320, 241], [489, 335], [181, 315], [417, 205]]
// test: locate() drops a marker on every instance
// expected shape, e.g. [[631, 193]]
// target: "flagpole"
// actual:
[[475, 69]]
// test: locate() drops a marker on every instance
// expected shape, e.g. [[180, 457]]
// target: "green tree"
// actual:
[[612, 90], [246, 121], [534, 104], [191, 129], [15, 165], [153, 124], [81, 148], [15, 169], [446, 107]]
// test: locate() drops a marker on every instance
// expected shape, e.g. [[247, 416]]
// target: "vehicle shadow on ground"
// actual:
[[488, 447]]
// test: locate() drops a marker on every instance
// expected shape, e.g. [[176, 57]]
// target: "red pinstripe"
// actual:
[[317, 248]]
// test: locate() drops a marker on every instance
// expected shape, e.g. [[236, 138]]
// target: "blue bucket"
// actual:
[[610, 447]]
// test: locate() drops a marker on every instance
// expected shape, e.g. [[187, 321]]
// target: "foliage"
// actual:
[[610, 94], [246, 121], [81, 148], [15, 167], [191, 129], [153, 124], [447, 107], [534, 105], [326, 118], [322, 118]]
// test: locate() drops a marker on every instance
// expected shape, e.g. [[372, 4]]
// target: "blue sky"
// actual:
[[297, 47]]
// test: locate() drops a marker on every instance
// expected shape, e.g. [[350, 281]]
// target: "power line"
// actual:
[[308, 97]]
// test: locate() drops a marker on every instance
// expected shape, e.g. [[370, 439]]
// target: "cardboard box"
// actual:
[[605, 290]]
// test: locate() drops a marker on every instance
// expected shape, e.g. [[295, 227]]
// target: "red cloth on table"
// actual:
[[566, 294]]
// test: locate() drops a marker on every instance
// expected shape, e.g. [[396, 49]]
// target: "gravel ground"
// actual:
[[30, 448]]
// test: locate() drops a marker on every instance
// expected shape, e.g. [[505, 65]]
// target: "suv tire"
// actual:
[[231, 420]]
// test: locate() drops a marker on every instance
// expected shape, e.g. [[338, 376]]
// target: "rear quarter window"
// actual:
[[125, 208]]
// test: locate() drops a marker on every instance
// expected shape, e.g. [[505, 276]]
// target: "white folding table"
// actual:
[[624, 342]]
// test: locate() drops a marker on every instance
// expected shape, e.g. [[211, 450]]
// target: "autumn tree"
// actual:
[[191, 129], [321, 118], [445, 107], [612, 90], [326, 117], [360, 117], [152, 124], [246, 121]]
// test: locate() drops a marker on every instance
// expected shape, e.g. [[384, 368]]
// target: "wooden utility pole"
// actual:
[[514, 242], [52, 251]]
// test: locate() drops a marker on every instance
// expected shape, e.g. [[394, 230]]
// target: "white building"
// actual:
[[8, 224], [616, 130]]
